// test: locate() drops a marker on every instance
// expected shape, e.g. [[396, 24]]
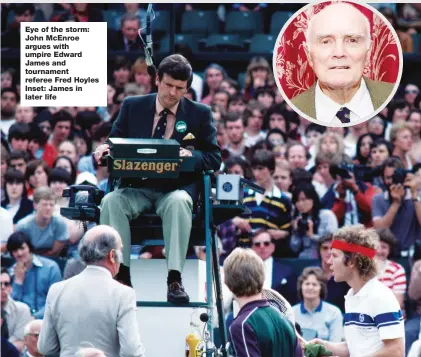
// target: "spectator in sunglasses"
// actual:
[[17, 313], [279, 277], [411, 92]]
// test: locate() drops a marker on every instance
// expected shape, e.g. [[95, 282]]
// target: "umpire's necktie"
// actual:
[[161, 126], [344, 115]]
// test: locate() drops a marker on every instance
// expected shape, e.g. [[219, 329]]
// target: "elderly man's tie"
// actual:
[[344, 115], [161, 126]]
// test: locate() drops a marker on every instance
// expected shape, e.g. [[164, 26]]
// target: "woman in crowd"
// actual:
[[364, 143], [253, 119], [214, 75], [377, 126], [231, 86], [314, 314], [36, 175], [65, 163], [16, 201], [141, 77], [401, 139], [236, 165], [258, 74], [310, 221], [414, 119]]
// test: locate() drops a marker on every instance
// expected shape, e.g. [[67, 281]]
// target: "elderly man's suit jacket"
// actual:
[[379, 91], [93, 308]]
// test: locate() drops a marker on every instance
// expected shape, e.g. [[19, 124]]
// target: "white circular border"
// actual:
[[392, 93]]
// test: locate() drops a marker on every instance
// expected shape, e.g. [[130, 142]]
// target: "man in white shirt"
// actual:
[[338, 41], [373, 320]]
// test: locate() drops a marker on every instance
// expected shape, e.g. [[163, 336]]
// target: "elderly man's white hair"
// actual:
[[28, 327], [89, 352], [342, 4]]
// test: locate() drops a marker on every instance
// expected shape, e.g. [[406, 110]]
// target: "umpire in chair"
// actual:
[[164, 115]]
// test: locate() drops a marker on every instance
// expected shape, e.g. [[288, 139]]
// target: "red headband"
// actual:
[[354, 248]]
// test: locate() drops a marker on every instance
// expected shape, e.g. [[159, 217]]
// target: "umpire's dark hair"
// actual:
[[17, 240], [177, 67], [264, 158]]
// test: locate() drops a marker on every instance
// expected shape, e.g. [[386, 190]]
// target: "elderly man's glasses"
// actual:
[[259, 244]]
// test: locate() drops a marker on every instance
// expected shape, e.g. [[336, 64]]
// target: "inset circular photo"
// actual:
[[337, 63]]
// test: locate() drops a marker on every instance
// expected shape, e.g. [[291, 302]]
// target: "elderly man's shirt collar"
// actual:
[[360, 105]]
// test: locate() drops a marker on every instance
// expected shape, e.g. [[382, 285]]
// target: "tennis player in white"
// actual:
[[374, 324]]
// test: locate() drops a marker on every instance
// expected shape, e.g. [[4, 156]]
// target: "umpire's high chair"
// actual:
[[146, 230]]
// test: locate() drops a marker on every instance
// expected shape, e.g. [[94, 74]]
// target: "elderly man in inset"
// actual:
[[92, 306], [338, 42]]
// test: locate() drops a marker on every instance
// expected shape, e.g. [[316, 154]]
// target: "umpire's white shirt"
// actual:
[[371, 315]]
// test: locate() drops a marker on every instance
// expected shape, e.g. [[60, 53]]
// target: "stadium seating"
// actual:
[[261, 43], [278, 20], [244, 23], [200, 22], [227, 42]]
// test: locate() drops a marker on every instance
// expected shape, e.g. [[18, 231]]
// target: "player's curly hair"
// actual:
[[366, 237]]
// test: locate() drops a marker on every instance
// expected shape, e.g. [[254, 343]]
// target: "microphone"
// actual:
[[149, 44]]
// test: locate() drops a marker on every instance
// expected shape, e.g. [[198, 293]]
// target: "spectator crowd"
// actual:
[[316, 179]]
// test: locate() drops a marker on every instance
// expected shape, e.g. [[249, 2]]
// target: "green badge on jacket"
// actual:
[[181, 126]]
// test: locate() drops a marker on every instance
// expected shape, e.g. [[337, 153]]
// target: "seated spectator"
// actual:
[[322, 179], [65, 163], [270, 211], [36, 176], [47, 233], [390, 273], [297, 155], [364, 143], [405, 38], [127, 38], [380, 150], [258, 74], [214, 75], [140, 76], [237, 165], [401, 139], [23, 13], [79, 12], [8, 78], [83, 144], [282, 177], [313, 133], [314, 312], [220, 97], [62, 124], [279, 277], [237, 104], [411, 92], [394, 206], [16, 201], [18, 137], [17, 313], [414, 120], [398, 110], [333, 144], [351, 138], [335, 291], [68, 148], [37, 142], [32, 331], [24, 115], [265, 96], [253, 120], [18, 160], [377, 126], [310, 221], [231, 86], [218, 113], [9, 100], [412, 325], [234, 128], [275, 118], [32, 274]]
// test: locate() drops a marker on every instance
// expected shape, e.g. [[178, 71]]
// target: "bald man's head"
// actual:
[[96, 244]]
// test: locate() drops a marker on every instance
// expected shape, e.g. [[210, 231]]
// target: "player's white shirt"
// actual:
[[371, 315]]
